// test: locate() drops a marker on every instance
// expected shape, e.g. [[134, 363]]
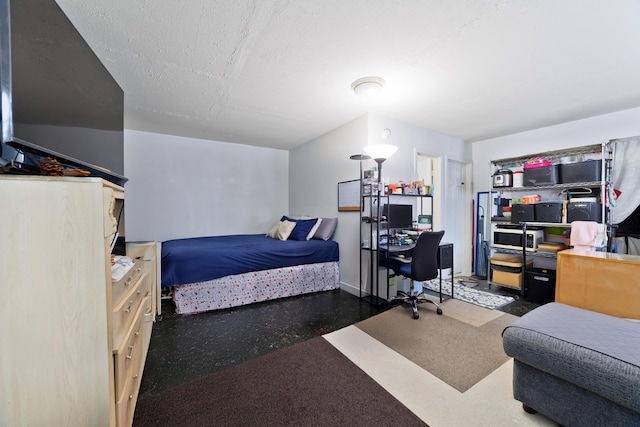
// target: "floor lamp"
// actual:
[[379, 153], [360, 157]]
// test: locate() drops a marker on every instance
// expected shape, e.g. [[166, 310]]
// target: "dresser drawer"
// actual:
[[129, 358], [125, 311], [123, 286]]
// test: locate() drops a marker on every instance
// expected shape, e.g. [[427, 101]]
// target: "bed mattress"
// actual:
[[201, 259]]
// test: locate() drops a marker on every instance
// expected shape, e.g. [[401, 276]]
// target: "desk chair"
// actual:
[[423, 266]]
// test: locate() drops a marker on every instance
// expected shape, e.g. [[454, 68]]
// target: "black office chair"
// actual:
[[423, 266]]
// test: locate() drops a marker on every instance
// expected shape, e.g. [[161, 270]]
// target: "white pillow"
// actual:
[[314, 229]]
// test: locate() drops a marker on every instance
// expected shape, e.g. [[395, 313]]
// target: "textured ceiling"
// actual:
[[277, 73]]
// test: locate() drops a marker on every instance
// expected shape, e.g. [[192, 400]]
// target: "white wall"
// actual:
[[97, 147], [316, 167], [572, 134], [183, 187]]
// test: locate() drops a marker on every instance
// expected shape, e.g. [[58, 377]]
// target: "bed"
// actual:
[[215, 272]]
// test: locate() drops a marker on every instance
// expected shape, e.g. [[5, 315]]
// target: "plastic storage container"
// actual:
[[518, 178], [544, 175], [584, 211], [588, 171], [522, 213], [548, 211]]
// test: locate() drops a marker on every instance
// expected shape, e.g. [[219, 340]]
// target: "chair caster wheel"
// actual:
[[416, 315], [439, 310]]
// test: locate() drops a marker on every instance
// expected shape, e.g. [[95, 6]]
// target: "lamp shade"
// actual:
[[380, 152]]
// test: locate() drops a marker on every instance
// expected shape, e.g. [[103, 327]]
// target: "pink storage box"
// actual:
[[536, 162]]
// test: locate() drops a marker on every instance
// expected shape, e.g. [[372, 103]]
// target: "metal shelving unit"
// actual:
[[374, 228], [606, 155]]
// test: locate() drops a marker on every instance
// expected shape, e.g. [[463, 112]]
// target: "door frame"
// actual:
[[440, 166]]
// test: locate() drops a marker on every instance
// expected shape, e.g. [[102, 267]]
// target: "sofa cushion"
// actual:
[[595, 351]]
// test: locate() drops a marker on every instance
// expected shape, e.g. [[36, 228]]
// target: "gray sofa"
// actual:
[[575, 366]]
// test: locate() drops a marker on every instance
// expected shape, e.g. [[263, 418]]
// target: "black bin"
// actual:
[[588, 171], [522, 213], [584, 211], [540, 285], [543, 175], [548, 211]]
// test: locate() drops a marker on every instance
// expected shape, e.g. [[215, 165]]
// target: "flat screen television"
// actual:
[[398, 216], [58, 99]]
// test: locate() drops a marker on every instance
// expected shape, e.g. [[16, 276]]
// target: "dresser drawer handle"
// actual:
[[128, 309]]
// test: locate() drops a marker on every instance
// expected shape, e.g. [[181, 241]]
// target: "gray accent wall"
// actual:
[[184, 187]]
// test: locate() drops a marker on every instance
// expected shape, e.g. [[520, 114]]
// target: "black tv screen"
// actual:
[[398, 216], [58, 99]]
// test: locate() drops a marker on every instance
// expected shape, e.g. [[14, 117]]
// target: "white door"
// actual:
[[451, 205]]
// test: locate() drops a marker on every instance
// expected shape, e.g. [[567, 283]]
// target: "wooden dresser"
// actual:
[[599, 281], [74, 343]]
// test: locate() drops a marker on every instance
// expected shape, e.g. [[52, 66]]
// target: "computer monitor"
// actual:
[[398, 216]]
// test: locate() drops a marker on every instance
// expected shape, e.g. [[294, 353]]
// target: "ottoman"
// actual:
[[576, 366]]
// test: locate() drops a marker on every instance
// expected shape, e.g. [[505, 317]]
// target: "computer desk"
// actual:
[[402, 253]]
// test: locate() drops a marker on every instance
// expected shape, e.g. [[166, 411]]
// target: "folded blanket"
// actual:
[[584, 234]]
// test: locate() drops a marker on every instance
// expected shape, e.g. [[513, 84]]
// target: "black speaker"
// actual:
[[445, 256], [584, 211]]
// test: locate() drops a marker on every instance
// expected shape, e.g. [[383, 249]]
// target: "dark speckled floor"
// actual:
[[184, 348], [518, 308]]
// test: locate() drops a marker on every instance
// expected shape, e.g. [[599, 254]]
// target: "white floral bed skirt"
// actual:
[[247, 288]]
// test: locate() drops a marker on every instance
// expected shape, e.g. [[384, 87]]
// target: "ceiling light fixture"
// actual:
[[368, 87]]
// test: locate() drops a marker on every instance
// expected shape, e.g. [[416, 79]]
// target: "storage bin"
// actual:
[[540, 285], [548, 211], [506, 277], [588, 171], [506, 270], [518, 178], [522, 213], [544, 175], [584, 211]]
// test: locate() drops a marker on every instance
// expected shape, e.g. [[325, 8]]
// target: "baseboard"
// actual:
[[350, 288]]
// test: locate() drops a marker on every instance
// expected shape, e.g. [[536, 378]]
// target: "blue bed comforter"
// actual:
[[206, 258]]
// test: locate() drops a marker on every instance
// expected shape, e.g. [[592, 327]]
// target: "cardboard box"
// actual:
[[506, 278], [506, 270]]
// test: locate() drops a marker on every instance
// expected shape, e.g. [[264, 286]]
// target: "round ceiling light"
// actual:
[[368, 87]]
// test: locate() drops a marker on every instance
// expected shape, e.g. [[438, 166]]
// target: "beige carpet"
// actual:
[[461, 347], [488, 403]]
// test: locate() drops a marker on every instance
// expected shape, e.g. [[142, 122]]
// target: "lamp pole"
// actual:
[[360, 157], [379, 153], [380, 194]]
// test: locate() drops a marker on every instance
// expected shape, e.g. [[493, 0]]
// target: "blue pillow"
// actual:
[[302, 228]]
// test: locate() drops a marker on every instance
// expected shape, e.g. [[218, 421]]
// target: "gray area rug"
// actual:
[[455, 351], [468, 294]]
